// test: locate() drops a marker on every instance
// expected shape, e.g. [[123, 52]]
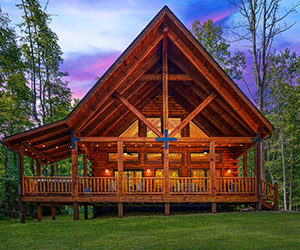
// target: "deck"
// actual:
[[51, 190]]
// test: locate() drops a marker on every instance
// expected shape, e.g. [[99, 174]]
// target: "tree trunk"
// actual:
[[283, 169]]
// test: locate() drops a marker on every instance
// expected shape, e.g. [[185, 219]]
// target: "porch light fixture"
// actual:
[[229, 171], [205, 151], [148, 171], [125, 152], [106, 171]]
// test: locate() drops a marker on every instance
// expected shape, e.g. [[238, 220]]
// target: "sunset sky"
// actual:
[[94, 33]]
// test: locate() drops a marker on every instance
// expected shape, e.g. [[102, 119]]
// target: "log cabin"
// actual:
[[165, 124]]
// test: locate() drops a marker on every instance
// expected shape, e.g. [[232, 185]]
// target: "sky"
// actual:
[[94, 33]]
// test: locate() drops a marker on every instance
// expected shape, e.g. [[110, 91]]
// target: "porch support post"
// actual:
[[245, 164], [212, 164], [258, 176], [74, 155], [120, 209], [21, 183], [165, 107], [75, 211], [213, 207], [167, 208], [52, 169], [53, 212], [120, 167], [39, 212], [85, 164], [38, 166]]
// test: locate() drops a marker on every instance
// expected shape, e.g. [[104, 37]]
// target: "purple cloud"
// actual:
[[84, 69]]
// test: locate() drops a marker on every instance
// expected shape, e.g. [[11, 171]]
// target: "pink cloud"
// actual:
[[84, 70]]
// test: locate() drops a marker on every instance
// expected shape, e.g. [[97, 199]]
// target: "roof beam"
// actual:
[[180, 139], [211, 78], [128, 117], [171, 77], [138, 114], [40, 154], [192, 115], [201, 83]]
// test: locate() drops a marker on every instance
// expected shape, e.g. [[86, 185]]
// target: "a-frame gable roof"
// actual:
[[135, 78], [143, 56]]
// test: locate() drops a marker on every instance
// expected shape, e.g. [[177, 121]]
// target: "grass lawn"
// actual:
[[266, 230]]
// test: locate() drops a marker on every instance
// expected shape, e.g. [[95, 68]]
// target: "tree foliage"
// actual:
[[211, 37]]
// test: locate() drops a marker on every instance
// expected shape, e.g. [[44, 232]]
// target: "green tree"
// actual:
[[283, 110], [43, 56], [15, 113], [211, 37]]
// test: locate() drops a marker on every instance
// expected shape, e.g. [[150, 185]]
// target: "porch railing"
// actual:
[[146, 185], [235, 185], [97, 185], [143, 185], [49, 185], [268, 191], [189, 185]]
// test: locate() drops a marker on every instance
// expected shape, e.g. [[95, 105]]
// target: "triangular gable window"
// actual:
[[195, 131], [132, 131]]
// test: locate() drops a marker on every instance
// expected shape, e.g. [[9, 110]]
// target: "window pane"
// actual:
[[172, 173], [154, 157], [200, 157], [175, 157], [173, 123], [198, 173], [156, 122], [132, 157], [195, 131], [132, 131]]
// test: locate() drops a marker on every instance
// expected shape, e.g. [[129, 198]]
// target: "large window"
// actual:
[[157, 157], [195, 131], [172, 173], [204, 173], [132, 130], [129, 157], [173, 123], [157, 123], [201, 157]]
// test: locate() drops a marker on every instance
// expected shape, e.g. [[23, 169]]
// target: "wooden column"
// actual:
[[21, 184], [120, 209], [165, 78], [165, 105], [38, 166], [212, 165], [74, 155], [53, 212], [52, 169], [120, 167], [167, 209], [75, 211], [245, 164], [214, 207], [86, 215], [39, 212], [258, 176], [85, 164]]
